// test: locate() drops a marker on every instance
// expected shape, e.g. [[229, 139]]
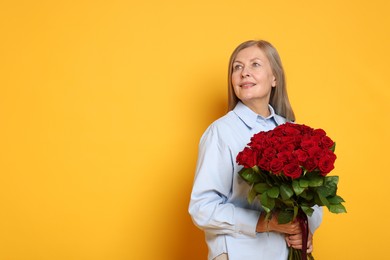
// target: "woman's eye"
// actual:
[[255, 64], [237, 67]]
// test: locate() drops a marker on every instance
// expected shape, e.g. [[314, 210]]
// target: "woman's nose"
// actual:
[[245, 73]]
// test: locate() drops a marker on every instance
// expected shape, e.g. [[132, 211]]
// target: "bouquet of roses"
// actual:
[[287, 169]]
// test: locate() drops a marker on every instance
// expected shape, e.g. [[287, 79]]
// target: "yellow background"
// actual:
[[102, 104]]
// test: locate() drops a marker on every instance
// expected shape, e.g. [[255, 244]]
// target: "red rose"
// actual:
[[288, 139], [258, 137], [264, 163], [330, 154], [255, 146], [247, 157], [274, 140], [301, 155], [315, 152], [269, 153], [277, 131], [291, 129], [326, 142], [276, 165], [292, 170], [310, 164], [326, 163], [319, 132], [287, 147], [285, 157], [258, 141], [316, 138], [306, 129], [307, 144]]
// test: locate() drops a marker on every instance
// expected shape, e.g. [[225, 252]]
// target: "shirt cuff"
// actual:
[[246, 221]]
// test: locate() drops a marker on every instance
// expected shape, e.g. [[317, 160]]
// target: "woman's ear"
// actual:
[[273, 81]]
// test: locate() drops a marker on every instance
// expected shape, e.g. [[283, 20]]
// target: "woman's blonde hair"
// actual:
[[279, 98]]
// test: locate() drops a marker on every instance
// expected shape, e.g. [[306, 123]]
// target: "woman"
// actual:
[[258, 101]]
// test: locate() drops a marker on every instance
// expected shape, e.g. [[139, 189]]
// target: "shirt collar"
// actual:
[[248, 116]]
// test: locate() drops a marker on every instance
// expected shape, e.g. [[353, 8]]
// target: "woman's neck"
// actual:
[[259, 108]]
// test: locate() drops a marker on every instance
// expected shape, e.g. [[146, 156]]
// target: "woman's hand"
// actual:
[[295, 241], [292, 231], [263, 225]]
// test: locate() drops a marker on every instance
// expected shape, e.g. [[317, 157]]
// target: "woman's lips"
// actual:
[[247, 85]]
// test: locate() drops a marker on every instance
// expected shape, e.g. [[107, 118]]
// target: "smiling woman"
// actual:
[[252, 79], [263, 59], [258, 102]]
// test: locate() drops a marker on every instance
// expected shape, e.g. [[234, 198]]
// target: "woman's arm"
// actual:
[[209, 206]]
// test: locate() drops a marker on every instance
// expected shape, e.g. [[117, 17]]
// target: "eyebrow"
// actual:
[[249, 60]]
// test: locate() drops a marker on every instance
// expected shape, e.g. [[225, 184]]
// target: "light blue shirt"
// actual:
[[218, 202]]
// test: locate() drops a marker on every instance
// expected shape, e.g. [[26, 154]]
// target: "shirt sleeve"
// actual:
[[315, 219], [209, 206]]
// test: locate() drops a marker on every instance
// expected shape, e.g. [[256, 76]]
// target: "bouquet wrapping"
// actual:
[[287, 168]]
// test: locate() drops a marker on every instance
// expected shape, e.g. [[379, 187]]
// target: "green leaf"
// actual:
[[286, 191], [297, 188], [321, 193], [316, 180], [317, 200], [325, 191], [249, 175], [335, 199], [334, 180], [307, 195], [303, 183], [285, 216], [267, 202], [264, 199], [337, 208], [273, 192], [331, 185], [308, 210], [261, 187], [289, 203], [333, 147], [252, 195]]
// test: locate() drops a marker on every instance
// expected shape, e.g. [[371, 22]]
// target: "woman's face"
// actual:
[[252, 77]]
